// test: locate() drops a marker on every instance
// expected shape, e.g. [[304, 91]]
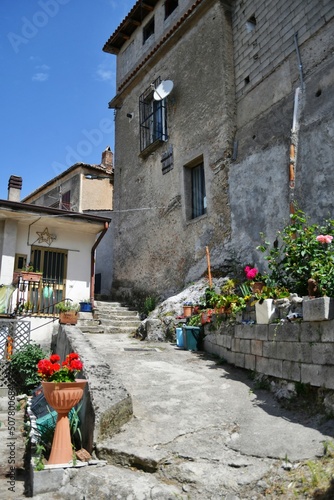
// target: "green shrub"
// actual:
[[298, 255], [23, 368]]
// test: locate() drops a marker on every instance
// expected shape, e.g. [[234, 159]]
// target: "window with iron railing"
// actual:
[[153, 118]]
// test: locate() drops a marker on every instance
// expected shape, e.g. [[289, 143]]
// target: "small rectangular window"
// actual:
[[198, 194], [148, 30], [170, 6], [66, 201], [194, 188]]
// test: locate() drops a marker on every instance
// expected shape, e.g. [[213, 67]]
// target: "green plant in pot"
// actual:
[[302, 251], [68, 312]]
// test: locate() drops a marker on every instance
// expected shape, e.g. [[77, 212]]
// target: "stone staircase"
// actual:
[[109, 317]]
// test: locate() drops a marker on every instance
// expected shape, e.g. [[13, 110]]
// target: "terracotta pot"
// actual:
[[62, 396], [68, 317], [31, 275], [257, 287], [187, 311]]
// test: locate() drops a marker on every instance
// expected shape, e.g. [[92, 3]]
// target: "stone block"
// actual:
[[250, 362], [313, 332], [244, 331], [291, 370], [257, 347], [236, 345], [323, 354], [284, 331], [327, 331], [48, 480], [318, 309], [317, 375], [239, 359], [269, 349], [269, 366], [245, 346]]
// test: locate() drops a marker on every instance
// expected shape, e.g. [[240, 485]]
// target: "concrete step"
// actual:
[[120, 329], [115, 312], [92, 329], [118, 321]]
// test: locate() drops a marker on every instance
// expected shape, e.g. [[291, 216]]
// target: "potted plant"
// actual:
[[68, 312], [187, 309], [85, 305], [29, 274], [62, 391]]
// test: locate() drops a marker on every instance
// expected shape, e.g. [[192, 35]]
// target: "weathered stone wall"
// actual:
[[156, 246], [299, 352], [232, 105]]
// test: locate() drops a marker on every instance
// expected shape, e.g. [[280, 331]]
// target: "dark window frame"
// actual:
[[195, 190], [148, 30], [170, 6], [152, 118]]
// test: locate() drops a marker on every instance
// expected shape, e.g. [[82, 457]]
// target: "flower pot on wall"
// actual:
[[62, 396], [318, 309], [31, 276], [85, 307], [68, 317], [265, 311]]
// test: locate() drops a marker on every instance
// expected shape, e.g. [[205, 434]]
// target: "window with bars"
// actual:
[[153, 118]]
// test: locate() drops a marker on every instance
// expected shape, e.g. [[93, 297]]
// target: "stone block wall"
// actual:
[[265, 34], [299, 352]]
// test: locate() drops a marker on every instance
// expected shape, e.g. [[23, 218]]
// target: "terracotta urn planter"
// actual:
[[62, 396]]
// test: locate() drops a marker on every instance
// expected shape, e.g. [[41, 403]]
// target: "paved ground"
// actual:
[[200, 431]]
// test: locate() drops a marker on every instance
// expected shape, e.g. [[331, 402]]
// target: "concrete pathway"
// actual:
[[200, 431]]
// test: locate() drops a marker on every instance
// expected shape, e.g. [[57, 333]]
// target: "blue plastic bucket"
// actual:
[[179, 337], [191, 335]]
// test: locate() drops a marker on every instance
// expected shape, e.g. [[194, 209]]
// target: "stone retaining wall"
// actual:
[[299, 351]]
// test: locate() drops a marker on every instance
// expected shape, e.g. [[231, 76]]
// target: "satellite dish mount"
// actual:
[[163, 90]]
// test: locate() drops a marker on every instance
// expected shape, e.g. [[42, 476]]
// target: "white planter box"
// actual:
[[318, 309], [265, 312]]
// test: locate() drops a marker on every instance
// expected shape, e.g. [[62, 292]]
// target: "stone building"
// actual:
[[223, 117], [86, 188]]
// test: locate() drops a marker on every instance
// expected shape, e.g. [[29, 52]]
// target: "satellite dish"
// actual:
[[163, 90]]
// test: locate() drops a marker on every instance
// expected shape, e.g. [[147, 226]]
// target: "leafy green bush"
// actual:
[[23, 368], [302, 251]]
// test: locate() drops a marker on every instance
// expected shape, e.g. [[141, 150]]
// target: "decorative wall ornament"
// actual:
[[45, 237]]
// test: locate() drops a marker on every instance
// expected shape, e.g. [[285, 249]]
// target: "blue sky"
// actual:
[[55, 83]]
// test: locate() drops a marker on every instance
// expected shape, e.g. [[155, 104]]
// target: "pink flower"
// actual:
[[327, 238], [251, 272]]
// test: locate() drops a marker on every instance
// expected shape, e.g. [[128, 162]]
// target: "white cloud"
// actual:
[[40, 77], [105, 74], [42, 73]]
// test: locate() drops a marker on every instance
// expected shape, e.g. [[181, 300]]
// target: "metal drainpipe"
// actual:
[[92, 263]]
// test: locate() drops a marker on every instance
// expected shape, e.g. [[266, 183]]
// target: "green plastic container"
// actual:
[[190, 337]]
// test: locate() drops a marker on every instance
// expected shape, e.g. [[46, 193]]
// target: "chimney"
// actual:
[[107, 160], [14, 188]]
